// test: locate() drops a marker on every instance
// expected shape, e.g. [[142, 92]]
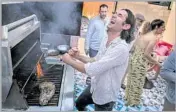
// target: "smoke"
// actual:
[[55, 17], [7, 17], [63, 19], [58, 17]]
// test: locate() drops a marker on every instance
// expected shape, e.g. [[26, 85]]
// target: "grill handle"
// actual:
[[21, 22]]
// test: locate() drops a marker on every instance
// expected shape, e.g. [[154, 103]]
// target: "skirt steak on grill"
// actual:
[[47, 90]]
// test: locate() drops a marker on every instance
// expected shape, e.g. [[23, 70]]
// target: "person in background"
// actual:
[[168, 72], [108, 66], [139, 61], [95, 31], [139, 20]]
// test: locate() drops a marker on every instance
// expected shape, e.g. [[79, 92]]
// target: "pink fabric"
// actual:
[[163, 48]]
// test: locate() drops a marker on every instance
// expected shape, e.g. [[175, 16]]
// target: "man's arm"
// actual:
[[66, 58], [85, 59], [115, 57], [74, 52], [78, 65], [110, 60]]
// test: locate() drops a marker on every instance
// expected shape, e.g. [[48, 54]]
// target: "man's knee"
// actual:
[[79, 106]]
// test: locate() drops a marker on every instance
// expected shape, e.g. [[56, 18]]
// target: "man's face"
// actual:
[[117, 21], [103, 12]]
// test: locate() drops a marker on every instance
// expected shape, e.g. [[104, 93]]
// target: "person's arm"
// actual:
[[113, 58], [77, 65], [168, 75], [168, 70], [85, 59], [74, 52], [89, 34], [68, 59], [148, 52]]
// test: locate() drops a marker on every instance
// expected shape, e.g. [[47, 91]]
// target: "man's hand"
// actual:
[[66, 58], [70, 61], [74, 52]]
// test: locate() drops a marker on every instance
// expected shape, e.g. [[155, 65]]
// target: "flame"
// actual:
[[39, 70]]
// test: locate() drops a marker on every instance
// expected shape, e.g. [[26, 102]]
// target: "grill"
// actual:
[[21, 54], [29, 83], [52, 75]]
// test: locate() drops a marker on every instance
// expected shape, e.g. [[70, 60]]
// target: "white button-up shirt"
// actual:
[[95, 33], [108, 70]]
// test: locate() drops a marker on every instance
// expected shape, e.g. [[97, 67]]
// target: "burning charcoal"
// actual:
[[47, 90]]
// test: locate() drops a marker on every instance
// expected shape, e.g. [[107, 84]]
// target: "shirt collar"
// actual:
[[116, 40]]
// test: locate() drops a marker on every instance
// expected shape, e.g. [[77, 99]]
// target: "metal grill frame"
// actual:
[[58, 87]]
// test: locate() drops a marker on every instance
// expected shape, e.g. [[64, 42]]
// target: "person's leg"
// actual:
[[84, 99], [104, 107], [92, 53], [168, 106], [148, 84]]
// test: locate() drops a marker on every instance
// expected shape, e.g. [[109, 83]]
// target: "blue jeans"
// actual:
[[92, 53]]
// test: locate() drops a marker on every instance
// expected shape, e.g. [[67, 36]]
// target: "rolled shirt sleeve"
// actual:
[[114, 57]]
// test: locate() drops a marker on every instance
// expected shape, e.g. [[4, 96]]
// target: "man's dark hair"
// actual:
[[156, 23], [128, 35], [103, 5]]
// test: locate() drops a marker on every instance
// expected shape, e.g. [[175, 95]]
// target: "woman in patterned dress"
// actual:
[[139, 60]]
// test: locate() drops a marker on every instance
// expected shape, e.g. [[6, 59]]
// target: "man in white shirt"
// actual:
[[108, 67], [95, 31]]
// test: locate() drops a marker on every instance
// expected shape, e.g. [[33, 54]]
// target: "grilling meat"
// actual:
[[47, 90]]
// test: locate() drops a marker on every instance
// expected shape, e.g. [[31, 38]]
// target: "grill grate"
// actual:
[[54, 75]]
